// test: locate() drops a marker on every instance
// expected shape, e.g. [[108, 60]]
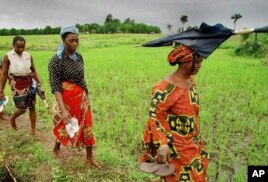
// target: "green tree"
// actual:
[[128, 26], [23, 32], [36, 31], [129, 21], [141, 28], [95, 28], [55, 30], [235, 17], [183, 19], [80, 27], [47, 30], [108, 19], [86, 28], [5, 32], [169, 27], [13, 31], [112, 25]]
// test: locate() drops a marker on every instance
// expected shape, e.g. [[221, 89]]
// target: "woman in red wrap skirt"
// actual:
[[66, 75]]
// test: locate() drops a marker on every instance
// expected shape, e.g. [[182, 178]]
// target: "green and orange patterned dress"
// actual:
[[173, 120]]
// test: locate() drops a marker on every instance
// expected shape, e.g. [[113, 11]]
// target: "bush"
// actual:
[[249, 46]]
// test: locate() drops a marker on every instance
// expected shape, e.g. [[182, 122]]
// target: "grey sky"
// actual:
[[39, 13]]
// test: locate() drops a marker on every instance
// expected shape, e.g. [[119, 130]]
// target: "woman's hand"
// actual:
[[162, 154], [66, 116]]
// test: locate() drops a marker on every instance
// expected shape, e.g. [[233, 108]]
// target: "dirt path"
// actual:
[[44, 136]]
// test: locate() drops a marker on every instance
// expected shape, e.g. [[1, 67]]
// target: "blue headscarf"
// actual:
[[65, 29]]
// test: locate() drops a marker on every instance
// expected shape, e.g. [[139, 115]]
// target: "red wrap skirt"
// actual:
[[77, 103]]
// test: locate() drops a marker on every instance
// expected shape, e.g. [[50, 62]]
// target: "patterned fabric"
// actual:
[[180, 54], [173, 120], [76, 101], [22, 91], [66, 70]]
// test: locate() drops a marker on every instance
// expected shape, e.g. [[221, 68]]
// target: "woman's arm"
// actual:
[[35, 74], [66, 116], [55, 84], [162, 100], [3, 79]]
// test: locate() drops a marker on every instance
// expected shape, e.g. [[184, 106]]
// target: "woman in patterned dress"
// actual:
[[18, 67], [171, 133], [66, 75]]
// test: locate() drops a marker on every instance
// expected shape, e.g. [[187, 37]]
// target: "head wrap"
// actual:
[[65, 29], [180, 54], [69, 28]]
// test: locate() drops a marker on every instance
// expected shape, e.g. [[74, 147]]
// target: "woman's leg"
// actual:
[[2, 116], [14, 116], [56, 148], [32, 115], [90, 157]]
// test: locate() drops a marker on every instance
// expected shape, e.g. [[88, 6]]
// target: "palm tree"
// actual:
[[235, 17], [183, 19], [169, 27]]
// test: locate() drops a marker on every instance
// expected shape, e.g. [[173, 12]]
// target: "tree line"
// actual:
[[184, 19], [111, 25]]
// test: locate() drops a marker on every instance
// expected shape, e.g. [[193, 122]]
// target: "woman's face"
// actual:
[[197, 65], [19, 47], [71, 42]]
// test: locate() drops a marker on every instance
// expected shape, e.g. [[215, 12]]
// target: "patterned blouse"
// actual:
[[66, 69], [174, 120]]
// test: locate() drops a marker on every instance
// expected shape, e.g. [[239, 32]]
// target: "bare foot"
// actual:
[[13, 124], [33, 132], [93, 162], [56, 151], [2, 117]]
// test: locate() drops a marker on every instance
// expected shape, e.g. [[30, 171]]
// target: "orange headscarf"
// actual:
[[180, 54]]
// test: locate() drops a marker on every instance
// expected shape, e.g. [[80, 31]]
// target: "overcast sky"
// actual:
[[39, 13]]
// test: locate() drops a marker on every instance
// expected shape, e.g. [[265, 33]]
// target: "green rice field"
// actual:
[[233, 98]]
